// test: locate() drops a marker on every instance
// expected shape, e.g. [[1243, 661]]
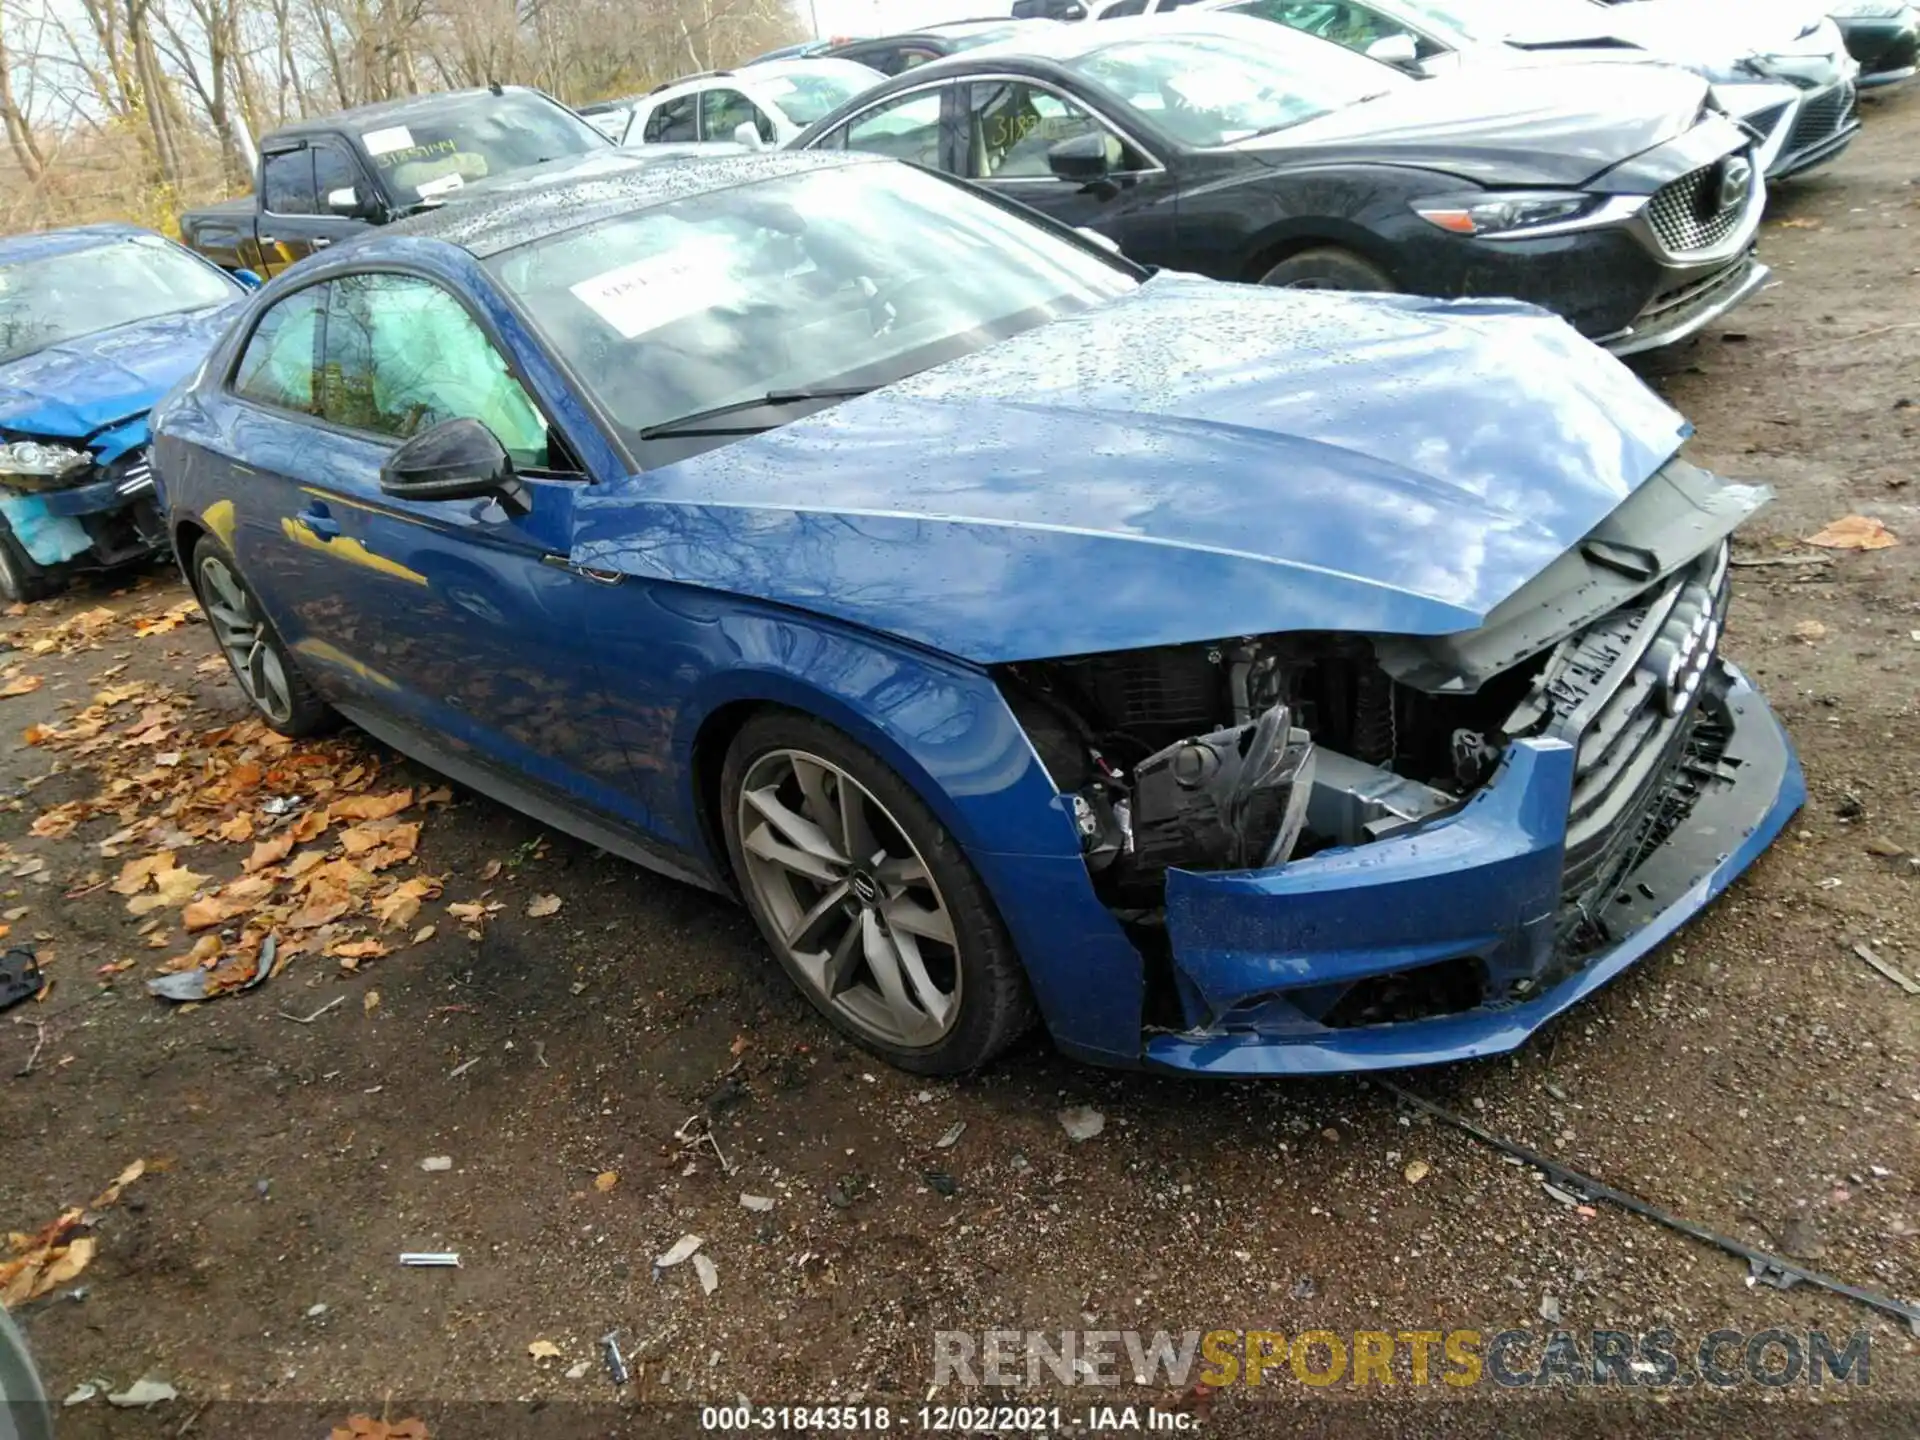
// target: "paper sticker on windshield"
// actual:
[[385, 142], [653, 292], [429, 188]]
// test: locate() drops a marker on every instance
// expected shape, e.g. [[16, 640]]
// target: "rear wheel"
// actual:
[[867, 901], [260, 659], [1328, 267]]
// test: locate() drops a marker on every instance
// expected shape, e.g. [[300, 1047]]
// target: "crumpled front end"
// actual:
[[84, 504], [1406, 850]]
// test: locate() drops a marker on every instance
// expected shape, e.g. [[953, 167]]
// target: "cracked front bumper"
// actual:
[[1481, 887]]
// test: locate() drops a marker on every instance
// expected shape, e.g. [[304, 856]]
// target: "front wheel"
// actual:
[[21, 578], [867, 901], [1328, 267], [259, 657]]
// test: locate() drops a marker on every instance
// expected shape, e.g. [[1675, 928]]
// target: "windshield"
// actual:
[[62, 297], [807, 89], [849, 276], [472, 137], [1215, 88]]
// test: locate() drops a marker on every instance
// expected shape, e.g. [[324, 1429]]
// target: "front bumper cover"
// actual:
[[1484, 883]]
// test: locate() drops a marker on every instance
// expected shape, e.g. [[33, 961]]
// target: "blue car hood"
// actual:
[[1192, 461], [80, 386]]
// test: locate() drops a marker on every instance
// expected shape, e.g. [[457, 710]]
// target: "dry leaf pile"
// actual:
[[326, 850], [53, 1256]]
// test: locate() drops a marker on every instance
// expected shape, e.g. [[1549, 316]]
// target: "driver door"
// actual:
[[455, 619], [1010, 125], [295, 217]]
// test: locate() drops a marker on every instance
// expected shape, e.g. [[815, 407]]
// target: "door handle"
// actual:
[[322, 524]]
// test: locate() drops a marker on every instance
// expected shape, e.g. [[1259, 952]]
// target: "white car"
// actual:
[[762, 105], [1779, 65]]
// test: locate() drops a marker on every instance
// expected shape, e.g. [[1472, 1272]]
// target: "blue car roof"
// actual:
[[63, 242], [538, 211]]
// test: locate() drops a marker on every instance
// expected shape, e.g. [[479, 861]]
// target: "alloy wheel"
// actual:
[[851, 903], [242, 633]]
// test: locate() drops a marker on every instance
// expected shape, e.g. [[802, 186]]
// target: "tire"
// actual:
[[261, 662], [1328, 267], [947, 993], [21, 578]]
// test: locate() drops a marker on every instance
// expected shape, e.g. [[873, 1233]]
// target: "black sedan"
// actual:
[[1613, 193], [896, 54]]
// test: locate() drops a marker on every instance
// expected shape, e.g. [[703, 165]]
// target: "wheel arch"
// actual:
[[1284, 241]]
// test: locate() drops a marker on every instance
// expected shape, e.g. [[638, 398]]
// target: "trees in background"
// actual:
[[128, 108]]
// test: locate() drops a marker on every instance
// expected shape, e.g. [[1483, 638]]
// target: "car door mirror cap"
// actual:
[[347, 202], [748, 134], [1083, 159], [248, 278], [455, 460], [1396, 50]]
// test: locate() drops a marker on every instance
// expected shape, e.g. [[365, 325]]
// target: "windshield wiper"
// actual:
[[694, 424]]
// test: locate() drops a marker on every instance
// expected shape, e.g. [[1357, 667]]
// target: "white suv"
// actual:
[[761, 105]]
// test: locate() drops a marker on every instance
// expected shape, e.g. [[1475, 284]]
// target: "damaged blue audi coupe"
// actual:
[[1240, 681]]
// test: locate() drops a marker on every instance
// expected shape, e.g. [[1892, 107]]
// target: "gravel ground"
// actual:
[[1755, 1076]]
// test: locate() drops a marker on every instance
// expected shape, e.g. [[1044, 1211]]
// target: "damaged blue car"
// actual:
[[96, 324], [1238, 680]]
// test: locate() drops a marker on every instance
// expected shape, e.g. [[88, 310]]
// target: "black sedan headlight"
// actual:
[[1497, 212]]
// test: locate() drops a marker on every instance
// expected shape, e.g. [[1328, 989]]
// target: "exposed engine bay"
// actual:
[[1256, 750]]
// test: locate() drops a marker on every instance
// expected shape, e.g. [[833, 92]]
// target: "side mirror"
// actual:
[[1094, 237], [345, 201], [1398, 50], [455, 460], [248, 278], [748, 134], [1082, 159]]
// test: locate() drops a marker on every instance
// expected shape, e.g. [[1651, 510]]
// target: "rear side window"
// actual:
[[288, 183], [904, 129], [672, 120], [277, 367]]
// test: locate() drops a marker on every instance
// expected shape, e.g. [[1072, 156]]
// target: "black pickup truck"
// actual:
[[325, 180]]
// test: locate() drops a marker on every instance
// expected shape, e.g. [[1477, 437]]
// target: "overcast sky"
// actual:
[[888, 17]]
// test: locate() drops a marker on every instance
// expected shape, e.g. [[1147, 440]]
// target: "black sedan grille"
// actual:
[[1618, 693], [1687, 214], [1822, 117]]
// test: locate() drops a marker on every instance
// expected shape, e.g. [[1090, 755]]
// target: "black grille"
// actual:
[[1606, 691], [1767, 120], [1822, 117], [1687, 214], [132, 472]]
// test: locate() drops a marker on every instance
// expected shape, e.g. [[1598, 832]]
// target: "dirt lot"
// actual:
[[1757, 1076]]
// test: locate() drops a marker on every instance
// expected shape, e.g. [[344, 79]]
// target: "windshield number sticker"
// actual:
[[649, 293], [385, 142]]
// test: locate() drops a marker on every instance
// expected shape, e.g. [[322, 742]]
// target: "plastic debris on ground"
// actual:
[[1082, 1122]]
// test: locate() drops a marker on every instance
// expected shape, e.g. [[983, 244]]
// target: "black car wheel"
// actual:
[[259, 657], [1328, 267], [867, 900], [20, 578]]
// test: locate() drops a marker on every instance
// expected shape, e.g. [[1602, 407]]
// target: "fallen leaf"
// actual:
[[59, 822], [1854, 532], [370, 1002], [468, 910], [270, 852], [423, 934], [135, 874], [399, 905], [311, 826], [236, 831], [1800, 222], [21, 685], [234, 899], [370, 807], [441, 796], [543, 906], [205, 952], [1416, 1171], [544, 1350], [606, 1180], [325, 902], [490, 870], [365, 1427], [357, 950], [1810, 631], [682, 1248], [38, 734]]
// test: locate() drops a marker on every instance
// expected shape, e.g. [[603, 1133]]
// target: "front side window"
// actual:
[[277, 367], [1124, 10], [810, 90], [333, 171], [460, 139], [724, 111], [1210, 89], [288, 181], [57, 298], [672, 121], [905, 128], [1352, 26], [848, 276], [1011, 126], [402, 355]]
